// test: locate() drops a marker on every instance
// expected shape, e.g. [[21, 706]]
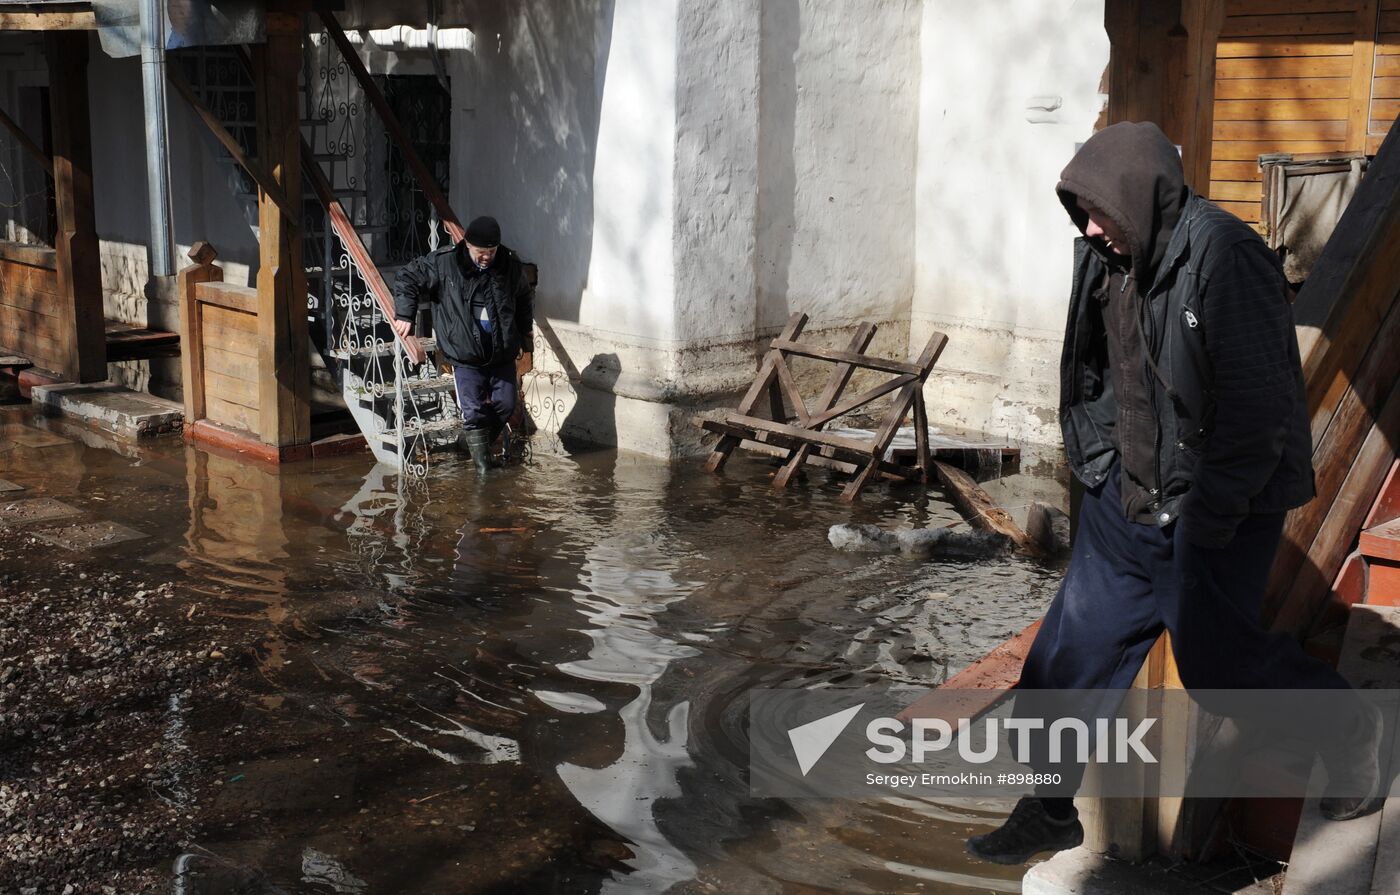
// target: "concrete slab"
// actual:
[[8, 486], [35, 509], [89, 535], [1082, 872], [112, 407]]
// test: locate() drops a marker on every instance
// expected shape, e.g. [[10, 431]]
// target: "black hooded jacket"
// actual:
[[448, 278], [1182, 361]]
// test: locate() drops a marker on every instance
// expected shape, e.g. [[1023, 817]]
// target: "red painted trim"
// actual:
[[1387, 505], [35, 376]]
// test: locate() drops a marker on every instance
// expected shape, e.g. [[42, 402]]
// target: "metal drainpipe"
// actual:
[[157, 137]]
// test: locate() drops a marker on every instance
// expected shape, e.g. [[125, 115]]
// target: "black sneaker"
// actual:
[[1026, 833]]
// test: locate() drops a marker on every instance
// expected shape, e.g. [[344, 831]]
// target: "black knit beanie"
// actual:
[[484, 233]]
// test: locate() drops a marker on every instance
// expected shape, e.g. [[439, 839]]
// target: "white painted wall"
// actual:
[[993, 243]]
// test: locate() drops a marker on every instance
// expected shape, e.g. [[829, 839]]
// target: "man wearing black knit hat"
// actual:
[[483, 318], [1185, 418]]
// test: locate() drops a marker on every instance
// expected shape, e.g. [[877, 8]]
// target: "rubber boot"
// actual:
[[478, 443]]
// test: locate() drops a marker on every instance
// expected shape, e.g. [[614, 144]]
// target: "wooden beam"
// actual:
[[863, 361], [203, 270], [980, 510], [835, 384], [216, 127], [74, 19], [1363, 56], [767, 375], [84, 340], [391, 124], [285, 379], [28, 144]]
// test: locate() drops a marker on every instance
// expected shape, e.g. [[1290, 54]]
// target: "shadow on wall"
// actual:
[[593, 420], [532, 132]]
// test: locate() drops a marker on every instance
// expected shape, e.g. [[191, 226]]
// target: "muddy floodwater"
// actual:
[[532, 684]]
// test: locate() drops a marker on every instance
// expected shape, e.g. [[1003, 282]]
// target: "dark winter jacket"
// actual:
[[1216, 361], [451, 282]]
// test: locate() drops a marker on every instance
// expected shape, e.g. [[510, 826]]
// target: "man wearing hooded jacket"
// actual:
[[1185, 418], [483, 319]]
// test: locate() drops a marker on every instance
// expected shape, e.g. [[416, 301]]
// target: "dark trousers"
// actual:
[[487, 394], [1127, 582]]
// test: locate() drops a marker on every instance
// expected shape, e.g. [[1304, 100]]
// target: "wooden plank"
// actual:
[[1336, 65], [1282, 25], [1272, 7], [1236, 171], [218, 294], [975, 503], [66, 20], [1282, 48], [192, 333], [1338, 427], [76, 253], [865, 397], [1388, 22], [767, 372], [863, 361], [231, 145], [1387, 505], [922, 459], [778, 445], [284, 407], [1386, 88], [1306, 594], [758, 424], [1233, 191], [216, 316], [1246, 211], [1250, 150], [1275, 109], [1387, 66], [1382, 541], [1282, 88], [24, 322], [899, 409], [1362, 68], [1386, 111], [835, 384], [28, 144], [789, 386], [32, 255], [232, 364], [231, 389], [1280, 130], [236, 415], [16, 278]]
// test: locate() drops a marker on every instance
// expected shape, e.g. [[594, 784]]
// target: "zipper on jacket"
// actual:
[[1149, 369]]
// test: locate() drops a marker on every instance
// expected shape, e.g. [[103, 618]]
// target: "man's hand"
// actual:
[[403, 327]]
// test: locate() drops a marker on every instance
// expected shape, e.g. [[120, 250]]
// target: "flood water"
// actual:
[[538, 683]]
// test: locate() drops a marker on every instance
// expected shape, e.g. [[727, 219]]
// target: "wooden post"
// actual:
[[203, 270], [84, 338], [285, 377], [1162, 69]]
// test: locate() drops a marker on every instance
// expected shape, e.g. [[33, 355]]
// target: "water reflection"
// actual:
[[551, 665]]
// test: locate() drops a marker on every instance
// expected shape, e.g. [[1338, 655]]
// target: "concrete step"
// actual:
[[111, 407], [1345, 858]]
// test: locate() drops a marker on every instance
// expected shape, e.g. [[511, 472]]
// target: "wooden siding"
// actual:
[[1285, 81], [228, 334], [1300, 76], [30, 318]]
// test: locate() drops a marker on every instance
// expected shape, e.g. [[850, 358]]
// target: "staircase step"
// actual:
[[1382, 583], [1382, 541], [1387, 505], [439, 427]]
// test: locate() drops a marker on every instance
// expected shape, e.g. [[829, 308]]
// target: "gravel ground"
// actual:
[[97, 694]]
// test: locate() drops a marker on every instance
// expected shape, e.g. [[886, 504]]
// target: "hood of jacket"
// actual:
[[1132, 173]]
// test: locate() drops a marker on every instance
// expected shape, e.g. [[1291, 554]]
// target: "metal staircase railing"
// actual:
[[405, 407]]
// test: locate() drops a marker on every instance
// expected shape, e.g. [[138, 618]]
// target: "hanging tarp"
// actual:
[[189, 23]]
